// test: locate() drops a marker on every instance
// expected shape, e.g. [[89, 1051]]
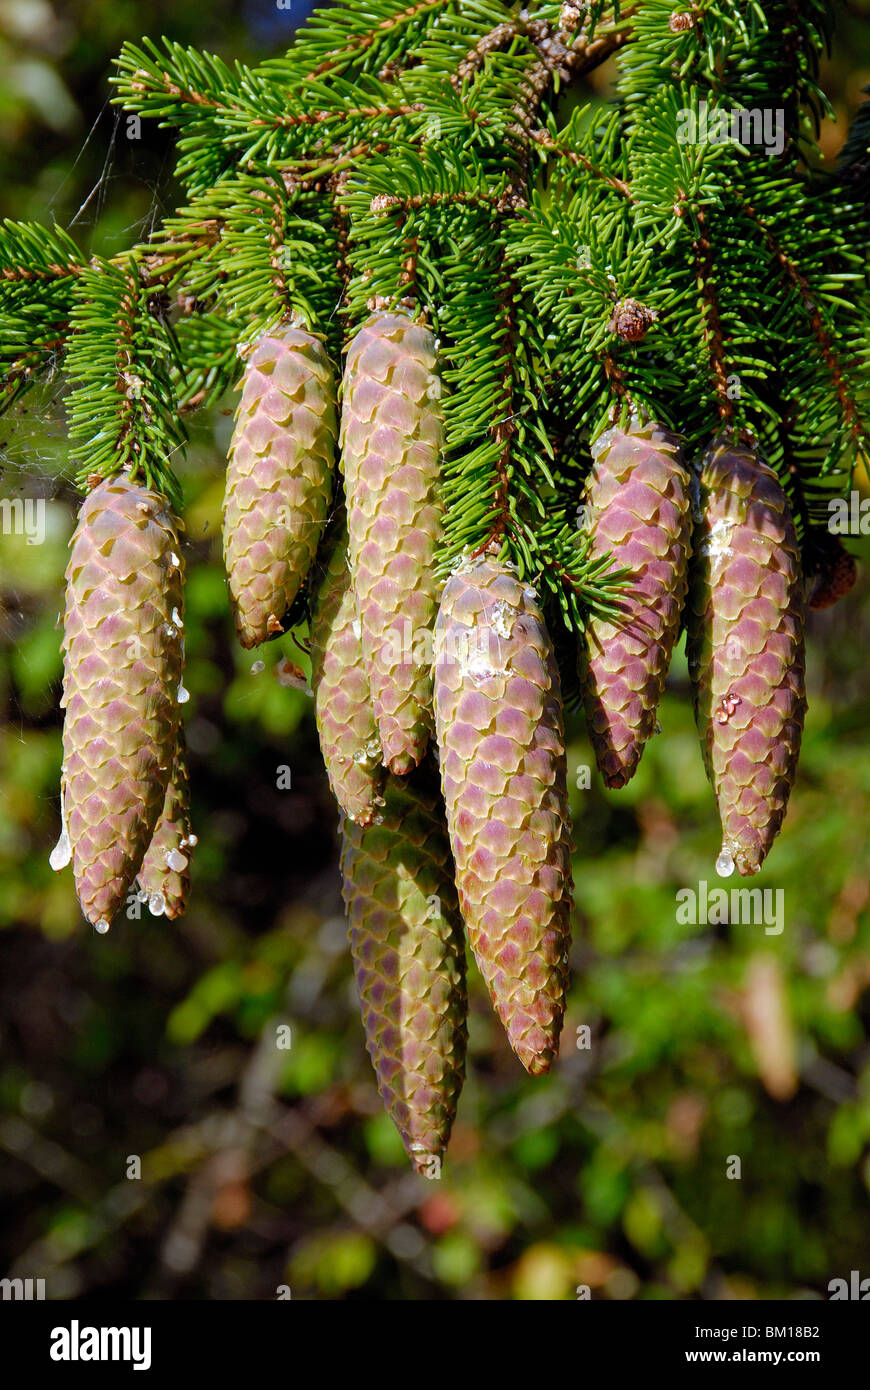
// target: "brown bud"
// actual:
[[631, 320]]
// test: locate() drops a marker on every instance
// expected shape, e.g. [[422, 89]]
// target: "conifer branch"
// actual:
[[800, 284], [365, 38], [545, 141], [711, 316]]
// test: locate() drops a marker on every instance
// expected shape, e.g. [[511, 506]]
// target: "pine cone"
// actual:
[[391, 429], [746, 648], [279, 478], [164, 878], [501, 745], [409, 956], [123, 654], [638, 507], [835, 569], [345, 718]]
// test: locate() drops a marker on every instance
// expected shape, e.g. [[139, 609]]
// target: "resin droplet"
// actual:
[[725, 863], [257, 667], [101, 927], [157, 904], [62, 853], [183, 695], [175, 861]]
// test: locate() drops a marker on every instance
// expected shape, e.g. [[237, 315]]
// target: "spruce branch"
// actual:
[[824, 338], [122, 407], [361, 43], [417, 155], [711, 316], [38, 269]]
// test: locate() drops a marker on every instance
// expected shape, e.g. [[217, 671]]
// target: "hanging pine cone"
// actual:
[[342, 704], [279, 478], [638, 507], [123, 654], [164, 878], [834, 569], [391, 430], [746, 648], [501, 746], [406, 939]]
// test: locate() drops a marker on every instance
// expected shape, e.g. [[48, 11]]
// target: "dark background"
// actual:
[[263, 1168]]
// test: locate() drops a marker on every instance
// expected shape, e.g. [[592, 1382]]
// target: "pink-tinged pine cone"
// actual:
[[164, 878], [746, 648], [342, 703], [392, 439], [406, 938], [123, 656], [501, 745], [638, 508], [279, 478]]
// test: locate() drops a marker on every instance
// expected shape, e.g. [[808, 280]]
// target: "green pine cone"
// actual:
[[279, 478], [342, 704], [746, 648], [123, 657], [392, 438], [638, 508], [501, 746], [164, 878], [409, 956]]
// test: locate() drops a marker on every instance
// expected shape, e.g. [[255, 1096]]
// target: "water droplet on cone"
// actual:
[[725, 863]]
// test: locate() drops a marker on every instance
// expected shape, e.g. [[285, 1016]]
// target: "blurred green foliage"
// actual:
[[266, 1166]]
